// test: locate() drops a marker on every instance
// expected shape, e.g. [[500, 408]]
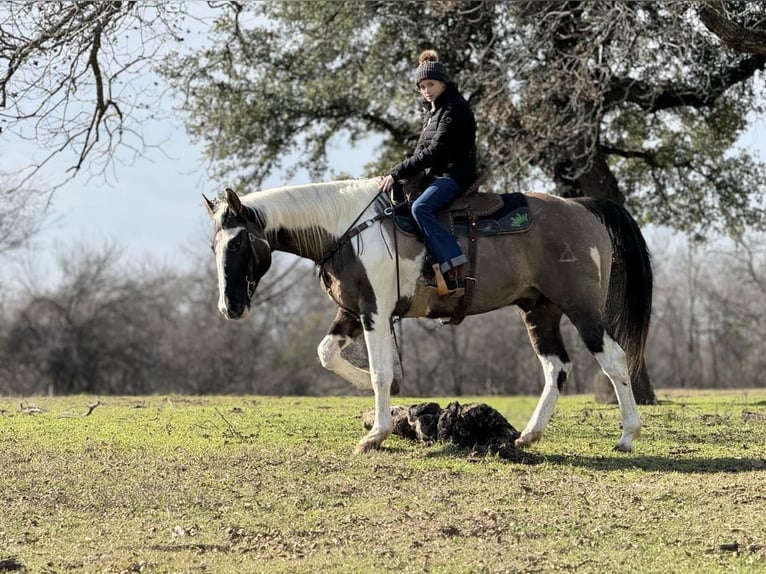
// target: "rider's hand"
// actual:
[[386, 184]]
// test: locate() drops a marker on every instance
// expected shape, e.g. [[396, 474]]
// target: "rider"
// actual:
[[446, 151]]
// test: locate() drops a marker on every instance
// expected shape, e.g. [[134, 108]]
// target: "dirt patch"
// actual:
[[11, 564], [753, 417]]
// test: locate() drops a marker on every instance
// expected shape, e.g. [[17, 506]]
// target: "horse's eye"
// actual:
[[234, 244]]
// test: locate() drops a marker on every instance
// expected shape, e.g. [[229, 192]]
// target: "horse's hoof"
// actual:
[[527, 439], [367, 445], [622, 447]]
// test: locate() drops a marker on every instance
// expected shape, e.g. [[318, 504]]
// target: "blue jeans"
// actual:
[[425, 210]]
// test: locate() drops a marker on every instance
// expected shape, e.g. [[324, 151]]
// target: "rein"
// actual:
[[253, 239], [354, 230]]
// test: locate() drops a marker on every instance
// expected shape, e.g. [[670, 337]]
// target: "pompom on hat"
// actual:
[[430, 68]]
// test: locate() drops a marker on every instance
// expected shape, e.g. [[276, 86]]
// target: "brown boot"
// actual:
[[455, 281]]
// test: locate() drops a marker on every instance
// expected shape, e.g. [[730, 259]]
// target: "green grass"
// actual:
[[261, 484]]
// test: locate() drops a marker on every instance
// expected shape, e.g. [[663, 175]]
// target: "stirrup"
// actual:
[[455, 287], [448, 287]]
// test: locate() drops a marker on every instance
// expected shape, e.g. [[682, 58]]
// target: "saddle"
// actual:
[[487, 213], [493, 214], [471, 215]]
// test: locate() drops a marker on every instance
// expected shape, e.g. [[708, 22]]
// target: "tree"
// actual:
[[628, 101], [624, 101], [96, 333], [74, 77]]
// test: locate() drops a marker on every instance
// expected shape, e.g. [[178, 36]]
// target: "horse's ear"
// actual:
[[233, 200], [209, 205]]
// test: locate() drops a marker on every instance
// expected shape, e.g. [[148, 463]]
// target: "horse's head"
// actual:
[[242, 253]]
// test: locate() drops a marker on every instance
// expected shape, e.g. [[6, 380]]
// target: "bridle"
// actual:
[[254, 241]]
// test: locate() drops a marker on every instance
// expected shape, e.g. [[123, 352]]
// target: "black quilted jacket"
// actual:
[[447, 144]]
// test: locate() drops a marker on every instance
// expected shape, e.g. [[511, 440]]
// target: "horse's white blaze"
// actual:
[[222, 239], [596, 256], [552, 367], [614, 365]]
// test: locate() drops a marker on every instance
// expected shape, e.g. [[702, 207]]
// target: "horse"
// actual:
[[582, 257]]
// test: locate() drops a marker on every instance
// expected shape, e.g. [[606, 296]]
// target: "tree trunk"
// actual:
[[597, 180]]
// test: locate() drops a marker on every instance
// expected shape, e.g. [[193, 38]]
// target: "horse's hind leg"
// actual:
[[344, 330], [611, 357], [543, 327]]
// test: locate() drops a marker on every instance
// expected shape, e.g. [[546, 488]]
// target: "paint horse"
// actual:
[[583, 258]]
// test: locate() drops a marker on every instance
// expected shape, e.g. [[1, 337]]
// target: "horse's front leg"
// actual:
[[344, 330], [377, 334]]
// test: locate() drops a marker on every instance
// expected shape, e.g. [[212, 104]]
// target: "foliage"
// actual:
[[608, 99], [243, 484]]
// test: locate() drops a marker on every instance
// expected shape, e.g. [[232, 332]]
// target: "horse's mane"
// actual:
[[328, 205]]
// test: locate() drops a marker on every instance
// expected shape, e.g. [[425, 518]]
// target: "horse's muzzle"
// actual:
[[236, 312]]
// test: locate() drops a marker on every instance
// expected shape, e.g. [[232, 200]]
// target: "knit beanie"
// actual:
[[430, 68]]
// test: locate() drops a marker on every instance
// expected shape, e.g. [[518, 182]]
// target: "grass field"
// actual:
[[261, 484]]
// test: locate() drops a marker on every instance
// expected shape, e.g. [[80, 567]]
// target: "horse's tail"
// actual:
[[629, 298]]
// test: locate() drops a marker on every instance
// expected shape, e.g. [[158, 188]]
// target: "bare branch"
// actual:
[[61, 64]]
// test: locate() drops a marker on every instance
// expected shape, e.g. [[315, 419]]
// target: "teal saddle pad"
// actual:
[[513, 217]]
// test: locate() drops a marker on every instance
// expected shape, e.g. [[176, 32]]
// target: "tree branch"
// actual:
[[638, 92], [738, 38], [651, 159]]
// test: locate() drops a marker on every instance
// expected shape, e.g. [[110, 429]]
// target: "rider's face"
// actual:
[[431, 89]]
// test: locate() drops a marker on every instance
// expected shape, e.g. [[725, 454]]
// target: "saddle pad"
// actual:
[[513, 217]]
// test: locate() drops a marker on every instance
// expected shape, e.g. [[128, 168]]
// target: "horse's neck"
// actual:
[[308, 220]]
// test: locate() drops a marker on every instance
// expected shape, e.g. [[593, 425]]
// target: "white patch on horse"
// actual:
[[596, 256], [324, 206], [552, 366], [329, 353], [614, 365]]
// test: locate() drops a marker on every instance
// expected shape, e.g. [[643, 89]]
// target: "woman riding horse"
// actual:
[[446, 151]]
